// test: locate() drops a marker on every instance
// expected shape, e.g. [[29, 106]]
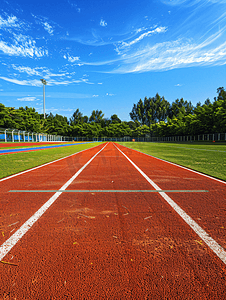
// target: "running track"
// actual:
[[109, 242], [42, 147]]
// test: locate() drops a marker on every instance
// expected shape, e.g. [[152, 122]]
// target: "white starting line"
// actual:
[[109, 191]]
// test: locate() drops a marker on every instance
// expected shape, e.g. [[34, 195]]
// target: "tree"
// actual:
[[85, 119], [138, 112], [219, 108], [76, 117], [221, 94], [198, 104], [115, 119], [132, 125], [117, 130], [96, 116], [180, 106], [157, 108], [152, 115], [141, 131], [207, 102], [151, 110]]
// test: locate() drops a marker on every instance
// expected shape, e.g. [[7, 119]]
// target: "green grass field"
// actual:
[[208, 158], [17, 162]]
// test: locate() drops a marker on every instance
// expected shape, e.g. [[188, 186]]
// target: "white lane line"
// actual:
[[179, 166], [11, 242], [216, 248], [51, 162]]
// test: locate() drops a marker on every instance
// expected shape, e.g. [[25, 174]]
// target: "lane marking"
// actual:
[[109, 191], [216, 248], [51, 162], [177, 165], [11, 242]]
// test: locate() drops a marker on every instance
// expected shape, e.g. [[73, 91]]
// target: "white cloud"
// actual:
[[43, 22], [103, 23], [27, 99], [23, 82], [40, 71], [23, 46], [27, 70], [85, 80], [218, 1], [71, 58], [176, 2], [50, 82], [101, 63], [47, 74], [61, 95], [57, 110], [191, 2], [94, 40], [48, 28], [95, 96], [142, 36], [74, 5], [9, 22], [172, 55]]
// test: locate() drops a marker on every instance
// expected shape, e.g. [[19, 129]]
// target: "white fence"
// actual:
[[190, 138], [185, 138], [15, 135]]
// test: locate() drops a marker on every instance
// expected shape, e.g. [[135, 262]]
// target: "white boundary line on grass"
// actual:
[[211, 243], [177, 165], [46, 164], [11, 242]]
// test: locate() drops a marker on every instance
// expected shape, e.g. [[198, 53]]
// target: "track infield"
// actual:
[[112, 223]]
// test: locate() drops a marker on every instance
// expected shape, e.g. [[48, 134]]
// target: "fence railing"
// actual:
[[190, 138], [187, 138], [15, 135]]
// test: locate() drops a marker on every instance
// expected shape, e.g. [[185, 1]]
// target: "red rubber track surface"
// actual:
[[112, 245]]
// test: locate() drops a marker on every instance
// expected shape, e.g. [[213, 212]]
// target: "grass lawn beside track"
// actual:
[[208, 158], [17, 162]]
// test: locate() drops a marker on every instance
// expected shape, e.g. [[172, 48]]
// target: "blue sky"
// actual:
[[107, 55]]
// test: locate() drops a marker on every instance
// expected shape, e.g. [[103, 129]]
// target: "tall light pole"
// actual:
[[44, 83]]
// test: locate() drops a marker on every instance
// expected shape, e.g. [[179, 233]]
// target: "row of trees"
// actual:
[[181, 117], [156, 109], [207, 118], [78, 125], [151, 116]]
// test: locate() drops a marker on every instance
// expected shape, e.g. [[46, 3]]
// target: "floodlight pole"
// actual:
[[44, 83]]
